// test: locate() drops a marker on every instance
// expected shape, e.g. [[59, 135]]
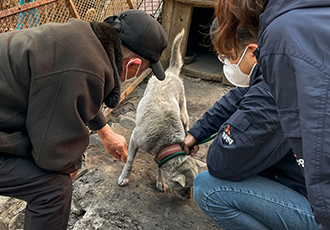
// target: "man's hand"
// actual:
[[114, 143], [188, 142]]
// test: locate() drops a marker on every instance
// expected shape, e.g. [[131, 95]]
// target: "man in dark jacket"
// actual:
[[54, 79], [294, 54], [253, 180]]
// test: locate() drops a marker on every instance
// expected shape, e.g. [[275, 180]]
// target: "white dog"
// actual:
[[161, 126]]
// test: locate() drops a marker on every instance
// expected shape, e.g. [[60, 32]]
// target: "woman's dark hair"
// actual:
[[235, 17]]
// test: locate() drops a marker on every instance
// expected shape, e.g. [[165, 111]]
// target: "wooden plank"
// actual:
[[167, 12], [72, 9], [107, 111], [180, 17], [130, 3], [198, 3], [202, 75], [185, 21], [24, 7]]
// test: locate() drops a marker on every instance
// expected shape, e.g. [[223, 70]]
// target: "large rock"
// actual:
[[11, 213]]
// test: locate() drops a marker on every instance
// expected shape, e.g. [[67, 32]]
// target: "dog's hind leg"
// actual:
[[125, 174]]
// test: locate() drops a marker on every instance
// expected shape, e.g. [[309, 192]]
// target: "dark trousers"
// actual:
[[48, 195]]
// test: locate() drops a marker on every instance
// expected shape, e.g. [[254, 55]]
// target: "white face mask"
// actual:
[[136, 61], [234, 74]]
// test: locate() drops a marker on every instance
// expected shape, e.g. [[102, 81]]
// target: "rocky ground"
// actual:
[[99, 203]]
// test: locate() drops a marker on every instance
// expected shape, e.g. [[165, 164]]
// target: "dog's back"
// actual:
[[159, 122]]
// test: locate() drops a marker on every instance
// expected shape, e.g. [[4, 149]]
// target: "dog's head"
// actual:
[[179, 174]]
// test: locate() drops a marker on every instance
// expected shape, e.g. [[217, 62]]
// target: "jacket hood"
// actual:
[[276, 8]]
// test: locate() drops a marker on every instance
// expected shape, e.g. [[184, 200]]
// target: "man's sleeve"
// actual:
[[97, 122]]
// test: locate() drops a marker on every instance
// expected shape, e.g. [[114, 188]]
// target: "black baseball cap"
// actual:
[[141, 33]]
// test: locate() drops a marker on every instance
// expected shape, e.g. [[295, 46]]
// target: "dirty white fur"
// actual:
[[162, 120]]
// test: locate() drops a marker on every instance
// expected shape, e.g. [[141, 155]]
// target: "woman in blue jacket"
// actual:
[[253, 180], [293, 41]]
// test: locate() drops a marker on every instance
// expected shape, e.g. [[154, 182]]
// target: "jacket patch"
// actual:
[[226, 137], [300, 162], [228, 130]]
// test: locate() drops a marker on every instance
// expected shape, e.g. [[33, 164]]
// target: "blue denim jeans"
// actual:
[[255, 203]]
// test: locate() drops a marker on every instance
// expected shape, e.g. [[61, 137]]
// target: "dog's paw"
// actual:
[[123, 182], [161, 187]]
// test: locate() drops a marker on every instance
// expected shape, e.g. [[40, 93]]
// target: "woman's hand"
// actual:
[[188, 142]]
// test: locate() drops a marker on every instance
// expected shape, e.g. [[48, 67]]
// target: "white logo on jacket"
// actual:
[[301, 162], [227, 138]]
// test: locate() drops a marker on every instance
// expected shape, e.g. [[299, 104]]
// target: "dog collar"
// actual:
[[175, 150], [168, 153]]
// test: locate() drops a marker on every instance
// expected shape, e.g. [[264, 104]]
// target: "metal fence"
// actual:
[[19, 14], [153, 7]]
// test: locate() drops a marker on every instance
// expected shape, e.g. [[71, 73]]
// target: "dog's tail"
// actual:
[[176, 58]]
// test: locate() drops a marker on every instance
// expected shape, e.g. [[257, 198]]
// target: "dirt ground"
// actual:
[[139, 205], [99, 203]]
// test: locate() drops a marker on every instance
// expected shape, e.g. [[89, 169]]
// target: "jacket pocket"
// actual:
[[240, 120], [232, 130]]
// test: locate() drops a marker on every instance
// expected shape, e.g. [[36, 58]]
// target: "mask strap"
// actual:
[[137, 61], [242, 56]]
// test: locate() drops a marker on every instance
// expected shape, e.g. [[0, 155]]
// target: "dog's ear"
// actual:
[[200, 164], [181, 179]]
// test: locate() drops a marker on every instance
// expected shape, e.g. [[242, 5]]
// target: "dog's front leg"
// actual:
[[161, 186], [125, 174]]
